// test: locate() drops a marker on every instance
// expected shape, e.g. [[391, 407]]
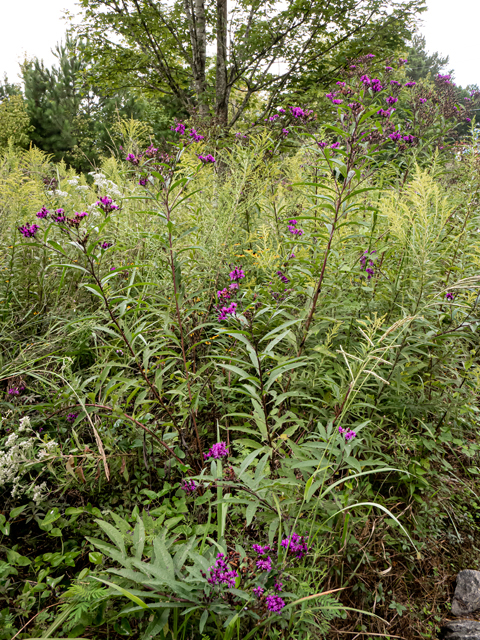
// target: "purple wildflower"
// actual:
[[395, 136], [106, 245], [293, 228], [337, 101], [189, 486], [395, 83], [449, 295], [347, 434], [388, 69], [179, 128], [402, 61], [119, 352], [195, 135], [132, 158], [285, 132], [106, 204], [409, 139], [237, 274], [206, 159], [29, 231], [233, 286], [295, 545], [410, 84], [43, 213], [376, 85], [391, 100], [278, 586], [261, 550], [143, 181], [72, 417], [275, 603], [151, 151], [217, 451], [422, 100], [322, 145], [219, 573], [335, 145], [341, 84], [13, 391], [282, 277], [385, 113], [265, 565], [258, 591]]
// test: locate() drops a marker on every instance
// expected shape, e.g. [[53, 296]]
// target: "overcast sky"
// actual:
[[32, 27]]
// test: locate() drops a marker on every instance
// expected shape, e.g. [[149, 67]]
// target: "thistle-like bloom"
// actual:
[[410, 84], [217, 451], [275, 603], [151, 151], [388, 69], [449, 295], [295, 545], [132, 158], [395, 136], [376, 85], [409, 139], [237, 274], [258, 591], [265, 565], [347, 434], [285, 132], [278, 586], [179, 128], [391, 100], [29, 231], [219, 574], [195, 135], [208, 159], [282, 277], [72, 417], [106, 204], [143, 181], [422, 100], [292, 227], [106, 245], [43, 213], [261, 550], [189, 486]]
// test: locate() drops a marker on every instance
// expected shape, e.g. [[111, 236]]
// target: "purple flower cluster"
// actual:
[[449, 295], [59, 216], [368, 263], [189, 486], [282, 277], [385, 113], [295, 545], [72, 417], [151, 151], [143, 181], [195, 135], [206, 159], [264, 564], [391, 100], [227, 311], [347, 434], [16, 390], [237, 274], [258, 591], [301, 114], [261, 550], [179, 128], [374, 84], [395, 136], [292, 227], [217, 451], [106, 245], [410, 84], [275, 603], [106, 204], [29, 231], [132, 158], [333, 98], [219, 573], [43, 213], [223, 294]]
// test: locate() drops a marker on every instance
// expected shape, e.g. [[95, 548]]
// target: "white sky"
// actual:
[[33, 27]]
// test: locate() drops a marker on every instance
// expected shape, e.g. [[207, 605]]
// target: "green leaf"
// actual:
[[114, 535], [123, 591], [17, 511], [203, 621], [250, 513]]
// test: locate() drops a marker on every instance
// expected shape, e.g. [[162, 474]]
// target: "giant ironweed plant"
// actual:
[[256, 320]]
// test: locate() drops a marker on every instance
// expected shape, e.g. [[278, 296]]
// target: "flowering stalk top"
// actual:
[[217, 451]]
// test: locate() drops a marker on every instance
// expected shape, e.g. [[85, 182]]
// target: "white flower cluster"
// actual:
[[73, 181], [58, 193], [102, 182], [39, 493], [18, 455]]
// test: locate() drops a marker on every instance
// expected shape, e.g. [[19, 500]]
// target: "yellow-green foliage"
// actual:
[[14, 122]]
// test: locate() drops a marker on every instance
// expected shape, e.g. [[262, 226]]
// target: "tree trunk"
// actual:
[[221, 110], [195, 12]]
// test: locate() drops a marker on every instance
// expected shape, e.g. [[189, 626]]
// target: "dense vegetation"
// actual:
[[239, 366]]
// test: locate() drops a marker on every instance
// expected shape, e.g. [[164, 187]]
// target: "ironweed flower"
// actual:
[[219, 574], [261, 550], [13, 391], [422, 100], [395, 83], [206, 159], [388, 69], [265, 565], [285, 132], [132, 158], [119, 352], [258, 591], [391, 100], [217, 451], [449, 295], [106, 204], [195, 135], [282, 277], [143, 181], [395, 136], [43, 213], [233, 286], [29, 231], [106, 245], [72, 417], [189, 486], [151, 151], [410, 84], [179, 128], [409, 139], [275, 603], [295, 545], [347, 434], [278, 586], [237, 274], [292, 227]]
